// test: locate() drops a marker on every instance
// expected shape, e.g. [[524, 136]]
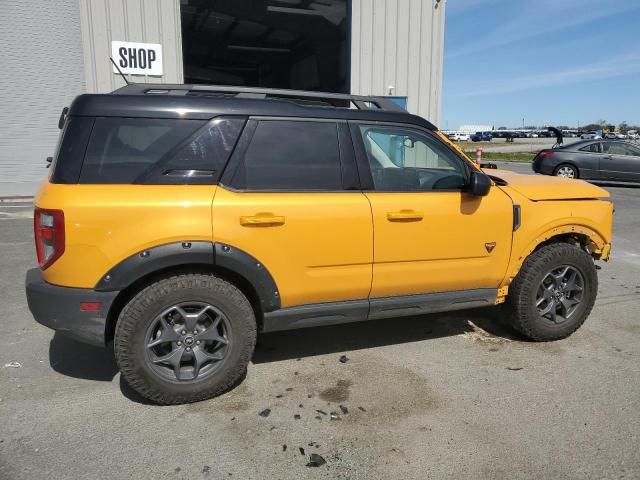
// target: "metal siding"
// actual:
[[399, 43], [42, 70], [146, 21]]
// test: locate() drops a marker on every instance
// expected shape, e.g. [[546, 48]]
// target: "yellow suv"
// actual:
[[178, 221]]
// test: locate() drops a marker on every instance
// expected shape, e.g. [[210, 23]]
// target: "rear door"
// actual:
[[290, 198], [620, 161]]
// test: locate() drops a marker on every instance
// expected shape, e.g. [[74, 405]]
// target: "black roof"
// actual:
[[207, 101]]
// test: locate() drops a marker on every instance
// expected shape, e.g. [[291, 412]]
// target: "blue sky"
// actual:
[[556, 62]]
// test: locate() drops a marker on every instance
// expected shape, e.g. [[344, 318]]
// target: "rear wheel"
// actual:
[[566, 171], [185, 338], [553, 293]]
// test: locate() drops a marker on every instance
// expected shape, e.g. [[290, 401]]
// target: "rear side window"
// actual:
[[291, 155], [592, 148], [201, 158], [121, 149]]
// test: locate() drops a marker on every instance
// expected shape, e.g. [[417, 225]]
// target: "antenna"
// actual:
[[119, 71]]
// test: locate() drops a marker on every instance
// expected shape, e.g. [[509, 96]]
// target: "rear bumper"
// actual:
[[59, 308]]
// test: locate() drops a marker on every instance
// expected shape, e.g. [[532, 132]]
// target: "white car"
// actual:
[[460, 137]]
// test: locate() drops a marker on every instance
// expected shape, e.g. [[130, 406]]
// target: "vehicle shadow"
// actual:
[[308, 342], [614, 184], [78, 360]]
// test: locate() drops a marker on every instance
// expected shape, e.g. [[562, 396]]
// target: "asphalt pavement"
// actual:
[[455, 395]]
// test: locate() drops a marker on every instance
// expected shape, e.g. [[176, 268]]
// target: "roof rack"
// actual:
[[334, 99]]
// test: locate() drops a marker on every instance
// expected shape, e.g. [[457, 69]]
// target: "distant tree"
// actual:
[[562, 127], [602, 123], [530, 127], [502, 128], [591, 126], [624, 127]]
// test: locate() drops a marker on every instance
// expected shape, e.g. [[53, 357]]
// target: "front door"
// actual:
[[429, 234], [289, 198], [620, 161]]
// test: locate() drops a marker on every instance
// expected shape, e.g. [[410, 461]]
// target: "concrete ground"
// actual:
[[455, 395]]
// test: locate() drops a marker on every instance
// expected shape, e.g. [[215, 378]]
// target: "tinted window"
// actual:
[[407, 160], [291, 155], [121, 149], [620, 149], [201, 159], [67, 160], [593, 148]]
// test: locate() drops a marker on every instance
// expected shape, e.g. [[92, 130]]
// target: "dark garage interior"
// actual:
[[299, 44]]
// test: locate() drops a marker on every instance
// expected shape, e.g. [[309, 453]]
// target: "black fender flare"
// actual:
[[185, 253]]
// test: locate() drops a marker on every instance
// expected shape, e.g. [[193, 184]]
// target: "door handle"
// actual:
[[262, 220], [607, 157], [405, 216]]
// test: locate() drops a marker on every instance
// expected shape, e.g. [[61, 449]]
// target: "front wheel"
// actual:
[[185, 338], [553, 293]]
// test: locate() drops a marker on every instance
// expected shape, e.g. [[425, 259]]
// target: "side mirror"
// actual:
[[480, 184], [49, 160]]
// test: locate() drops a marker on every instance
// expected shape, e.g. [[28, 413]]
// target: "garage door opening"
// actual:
[[299, 44]]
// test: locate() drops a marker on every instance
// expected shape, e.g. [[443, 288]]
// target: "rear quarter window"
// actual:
[[122, 149]]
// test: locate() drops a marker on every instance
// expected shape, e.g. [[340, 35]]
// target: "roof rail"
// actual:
[[361, 102]]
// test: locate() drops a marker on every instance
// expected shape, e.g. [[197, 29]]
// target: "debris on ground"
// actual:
[[279, 395], [289, 389], [334, 416], [12, 365], [478, 334], [318, 417], [297, 417], [362, 409], [301, 406], [344, 359], [301, 450], [514, 369], [322, 412], [206, 469], [344, 410], [284, 447], [265, 413], [316, 460]]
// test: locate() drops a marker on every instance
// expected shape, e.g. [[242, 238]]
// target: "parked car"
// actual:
[[179, 221], [593, 160], [481, 137], [460, 137], [592, 135]]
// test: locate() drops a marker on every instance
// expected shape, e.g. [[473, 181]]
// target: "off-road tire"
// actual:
[[143, 308], [520, 310]]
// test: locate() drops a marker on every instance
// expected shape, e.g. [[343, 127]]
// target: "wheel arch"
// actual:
[[580, 236], [237, 267]]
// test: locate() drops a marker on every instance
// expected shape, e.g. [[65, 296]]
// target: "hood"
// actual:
[[539, 187]]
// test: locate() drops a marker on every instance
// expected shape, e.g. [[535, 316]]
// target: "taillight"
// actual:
[[544, 154], [48, 227]]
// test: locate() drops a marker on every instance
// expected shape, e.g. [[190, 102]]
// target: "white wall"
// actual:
[[399, 43], [146, 21], [40, 73]]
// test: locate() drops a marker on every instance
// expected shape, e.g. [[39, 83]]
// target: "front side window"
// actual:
[[621, 149], [291, 155], [403, 159]]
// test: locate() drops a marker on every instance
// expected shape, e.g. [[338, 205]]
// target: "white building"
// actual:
[[475, 128], [55, 50]]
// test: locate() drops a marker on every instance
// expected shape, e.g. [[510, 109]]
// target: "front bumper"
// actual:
[[59, 308]]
